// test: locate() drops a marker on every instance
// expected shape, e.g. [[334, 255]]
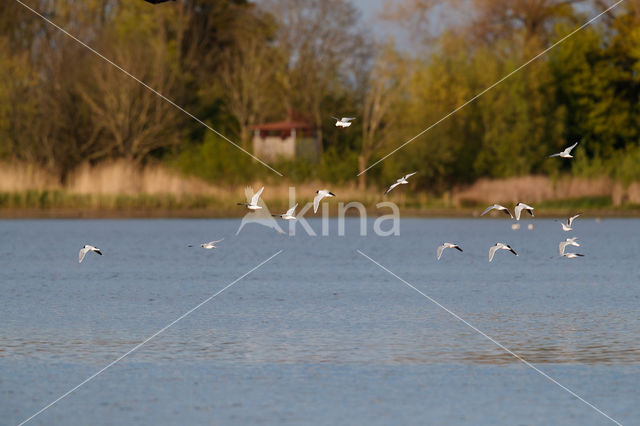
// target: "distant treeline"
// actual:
[[237, 63]]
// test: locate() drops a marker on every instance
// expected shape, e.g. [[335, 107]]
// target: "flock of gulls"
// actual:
[[344, 122]]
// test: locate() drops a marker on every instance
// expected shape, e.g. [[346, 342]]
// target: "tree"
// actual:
[[596, 75], [520, 120], [246, 73], [319, 41], [134, 121], [483, 21], [386, 89]]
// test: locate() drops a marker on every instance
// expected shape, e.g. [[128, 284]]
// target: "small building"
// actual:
[[289, 139]]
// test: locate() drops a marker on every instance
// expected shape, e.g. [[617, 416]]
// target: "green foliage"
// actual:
[[338, 166], [235, 64], [519, 120], [216, 160]]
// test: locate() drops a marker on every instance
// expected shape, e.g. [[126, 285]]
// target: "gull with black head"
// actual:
[[500, 246]]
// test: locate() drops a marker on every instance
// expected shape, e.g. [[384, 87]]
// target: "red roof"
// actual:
[[283, 125]]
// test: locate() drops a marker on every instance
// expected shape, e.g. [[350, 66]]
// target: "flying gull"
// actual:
[[344, 121], [210, 245], [86, 249], [500, 246], [497, 207], [566, 153], [321, 194], [447, 245], [568, 242], [568, 227], [401, 181], [253, 205], [525, 207], [288, 215]]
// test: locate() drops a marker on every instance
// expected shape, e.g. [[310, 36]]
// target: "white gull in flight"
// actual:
[[499, 246], [253, 205], [568, 227], [525, 207], [568, 242], [86, 249], [344, 121], [288, 215], [401, 181], [447, 245], [566, 153], [321, 194], [210, 245]]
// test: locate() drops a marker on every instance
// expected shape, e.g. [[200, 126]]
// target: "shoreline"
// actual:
[[428, 213]]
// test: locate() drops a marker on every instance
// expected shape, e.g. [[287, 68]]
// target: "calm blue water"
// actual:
[[319, 335]]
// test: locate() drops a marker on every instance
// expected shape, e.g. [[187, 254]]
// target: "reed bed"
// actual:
[[123, 186], [535, 189]]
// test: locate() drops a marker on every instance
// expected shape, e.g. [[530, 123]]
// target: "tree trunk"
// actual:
[[244, 138]]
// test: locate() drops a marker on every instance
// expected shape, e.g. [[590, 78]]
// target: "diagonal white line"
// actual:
[[500, 345], [150, 88], [139, 345], [491, 87]]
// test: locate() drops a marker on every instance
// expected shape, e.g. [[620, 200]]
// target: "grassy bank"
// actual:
[[123, 190], [60, 204]]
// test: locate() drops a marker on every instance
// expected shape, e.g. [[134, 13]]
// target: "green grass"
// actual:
[[62, 203]]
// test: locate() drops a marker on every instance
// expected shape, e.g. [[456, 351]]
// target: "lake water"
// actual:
[[320, 334]]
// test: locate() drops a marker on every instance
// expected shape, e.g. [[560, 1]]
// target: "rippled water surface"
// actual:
[[319, 334]]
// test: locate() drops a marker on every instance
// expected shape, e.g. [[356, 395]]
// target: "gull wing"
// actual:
[[82, 253], [497, 207], [440, 250], [457, 248], [572, 218], [492, 252], [256, 196], [291, 211], [409, 175], [512, 250], [561, 247], [316, 202], [555, 155], [347, 119], [488, 209], [573, 242], [391, 187], [518, 210], [216, 241], [568, 150]]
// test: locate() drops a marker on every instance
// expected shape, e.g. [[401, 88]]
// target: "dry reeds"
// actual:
[[532, 189], [122, 183], [122, 177], [16, 177]]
